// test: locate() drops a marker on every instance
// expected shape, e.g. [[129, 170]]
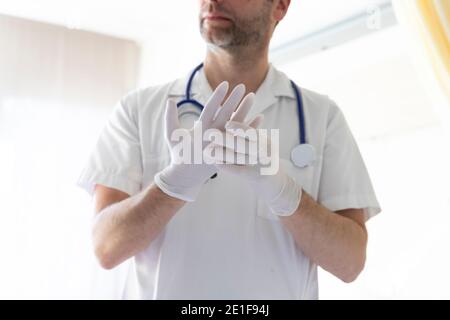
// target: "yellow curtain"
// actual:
[[427, 25]]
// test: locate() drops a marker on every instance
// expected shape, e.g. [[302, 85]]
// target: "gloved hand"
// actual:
[[184, 179], [281, 193]]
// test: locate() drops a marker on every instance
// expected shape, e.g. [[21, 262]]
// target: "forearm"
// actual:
[[125, 228], [334, 242]]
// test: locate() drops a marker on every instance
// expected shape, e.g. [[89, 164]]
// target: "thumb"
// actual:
[[171, 118], [256, 122], [251, 124]]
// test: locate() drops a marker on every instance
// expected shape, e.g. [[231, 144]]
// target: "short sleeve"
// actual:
[[116, 159], [345, 181]]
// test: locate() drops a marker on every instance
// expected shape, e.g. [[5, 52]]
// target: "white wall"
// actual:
[[169, 54], [403, 142], [57, 86]]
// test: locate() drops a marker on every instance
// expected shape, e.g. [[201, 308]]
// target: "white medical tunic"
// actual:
[[228, 244]]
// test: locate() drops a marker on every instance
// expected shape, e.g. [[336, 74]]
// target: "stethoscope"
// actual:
[[302, 155]]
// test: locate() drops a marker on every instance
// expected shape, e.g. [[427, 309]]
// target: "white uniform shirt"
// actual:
[[228, 244]]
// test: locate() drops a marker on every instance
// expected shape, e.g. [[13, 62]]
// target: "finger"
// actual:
[[171, 118], [239, 146], [233, 168], [211, 155], [257, 141], [234, 125], [247, 130], [220, 155], [257, 121], [235, 140], [244, 108], [244, 172], [241, 129], [214, 102], [229, 106]]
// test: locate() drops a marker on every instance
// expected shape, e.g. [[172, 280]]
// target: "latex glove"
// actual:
[[281, 193], [183, 180]]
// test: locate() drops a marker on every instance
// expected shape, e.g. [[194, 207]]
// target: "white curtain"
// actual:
[[57, 87]]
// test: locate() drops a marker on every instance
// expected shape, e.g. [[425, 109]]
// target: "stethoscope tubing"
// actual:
[[303, 148]]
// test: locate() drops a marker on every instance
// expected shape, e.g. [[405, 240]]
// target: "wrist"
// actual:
[[183, 181], [284, 196], [168, 182]]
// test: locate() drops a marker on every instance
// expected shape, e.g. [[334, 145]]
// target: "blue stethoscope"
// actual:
[[302, 155]]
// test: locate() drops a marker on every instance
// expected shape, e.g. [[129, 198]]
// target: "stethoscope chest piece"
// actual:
[[303, 155]]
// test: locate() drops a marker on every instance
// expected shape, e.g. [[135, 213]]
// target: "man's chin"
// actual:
[[218, 39], [218, 44]]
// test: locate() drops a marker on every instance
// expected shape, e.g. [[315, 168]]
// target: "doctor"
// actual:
[[205, 231]]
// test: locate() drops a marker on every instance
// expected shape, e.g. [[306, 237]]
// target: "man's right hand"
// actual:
[[184, 180]]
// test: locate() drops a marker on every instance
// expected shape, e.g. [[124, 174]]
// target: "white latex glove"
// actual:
[[281, 193], [185, 180]]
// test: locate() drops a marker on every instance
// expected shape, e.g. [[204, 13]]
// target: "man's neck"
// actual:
[[249, 69]]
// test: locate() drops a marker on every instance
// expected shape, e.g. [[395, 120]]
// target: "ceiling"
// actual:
[[141, 20]]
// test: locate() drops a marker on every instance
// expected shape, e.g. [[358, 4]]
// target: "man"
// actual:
[[196, 237]]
